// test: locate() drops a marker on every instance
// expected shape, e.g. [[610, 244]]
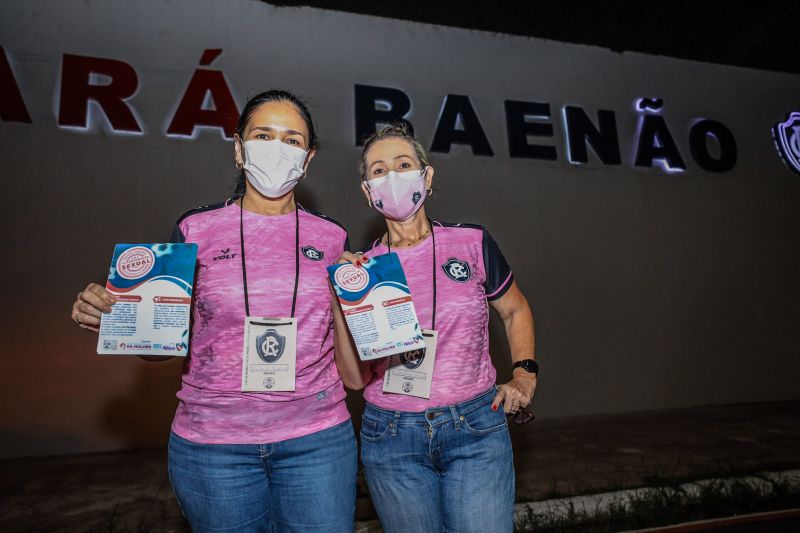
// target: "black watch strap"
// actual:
[[529, 365]]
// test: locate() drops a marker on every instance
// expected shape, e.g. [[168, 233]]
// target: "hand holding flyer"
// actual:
[[153, 285], [377, 306]]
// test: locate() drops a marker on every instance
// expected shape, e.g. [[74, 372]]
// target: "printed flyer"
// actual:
[[153, 285], [377, 305]]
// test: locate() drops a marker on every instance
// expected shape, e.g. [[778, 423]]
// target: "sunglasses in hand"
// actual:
[[523, 416]]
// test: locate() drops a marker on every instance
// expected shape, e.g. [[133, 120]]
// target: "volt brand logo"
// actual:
[[224, 254], [787, 140], [457, 270], [312, 253], [270, 346]]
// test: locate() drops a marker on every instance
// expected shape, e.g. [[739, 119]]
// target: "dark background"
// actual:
[[747, 34]]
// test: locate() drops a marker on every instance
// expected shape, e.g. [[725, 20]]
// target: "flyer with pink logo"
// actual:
[[377, 306], [153, 285]]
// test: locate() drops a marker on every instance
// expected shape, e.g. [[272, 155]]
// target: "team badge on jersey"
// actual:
[[312, 253], [270, 346], [457, 270]]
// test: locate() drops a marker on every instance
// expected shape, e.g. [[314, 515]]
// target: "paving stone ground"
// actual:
[[129, 491]]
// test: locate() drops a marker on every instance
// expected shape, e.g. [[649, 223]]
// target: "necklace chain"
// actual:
[[411, 242]]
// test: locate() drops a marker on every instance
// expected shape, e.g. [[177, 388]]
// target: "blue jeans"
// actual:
[[302, 484], [446, 469]]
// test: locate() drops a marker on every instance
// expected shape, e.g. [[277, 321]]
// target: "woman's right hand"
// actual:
[[90, 305]]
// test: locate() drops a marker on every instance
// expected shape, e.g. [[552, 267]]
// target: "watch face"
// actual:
[[529, 366]]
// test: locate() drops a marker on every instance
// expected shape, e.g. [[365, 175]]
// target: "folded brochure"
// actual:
[[153, 284], [377, 306]]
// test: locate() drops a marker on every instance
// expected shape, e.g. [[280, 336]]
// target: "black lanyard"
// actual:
[[433, 239], [296, 256]]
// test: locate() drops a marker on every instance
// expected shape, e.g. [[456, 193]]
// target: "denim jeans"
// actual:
[[302, 484], [445, 469]]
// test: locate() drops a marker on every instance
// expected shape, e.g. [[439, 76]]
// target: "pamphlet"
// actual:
[[377, 306], [153, 285]]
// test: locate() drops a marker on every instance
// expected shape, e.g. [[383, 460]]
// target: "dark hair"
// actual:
[[401, 129], [273, 95]]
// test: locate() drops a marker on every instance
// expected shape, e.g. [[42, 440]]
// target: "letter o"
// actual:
[[698, 142]]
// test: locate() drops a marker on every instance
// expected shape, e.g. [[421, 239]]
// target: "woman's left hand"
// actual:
[[517, 393]]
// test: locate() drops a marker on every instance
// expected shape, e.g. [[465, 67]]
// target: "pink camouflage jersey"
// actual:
[[470, 271], [212, 409]]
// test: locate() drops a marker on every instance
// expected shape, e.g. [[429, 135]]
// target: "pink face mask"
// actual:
[[398, 195]]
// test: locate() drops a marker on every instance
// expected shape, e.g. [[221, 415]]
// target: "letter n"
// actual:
[[581, 131]]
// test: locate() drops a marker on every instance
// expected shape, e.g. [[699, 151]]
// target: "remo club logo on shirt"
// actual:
[[457, 270], [312, 253]]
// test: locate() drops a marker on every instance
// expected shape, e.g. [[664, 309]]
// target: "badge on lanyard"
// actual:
[[270, 354], [411, 373]]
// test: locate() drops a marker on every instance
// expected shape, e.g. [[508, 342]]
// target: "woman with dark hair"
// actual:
[[265, 454], [440, 462]]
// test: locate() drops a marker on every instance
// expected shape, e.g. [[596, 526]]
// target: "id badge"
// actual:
[[411, 373], [270, 354]]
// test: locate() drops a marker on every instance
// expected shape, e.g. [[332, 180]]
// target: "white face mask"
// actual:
[[398, 195], [273, 167]]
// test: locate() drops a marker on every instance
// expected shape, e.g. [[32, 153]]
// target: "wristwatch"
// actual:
[[528, 365]]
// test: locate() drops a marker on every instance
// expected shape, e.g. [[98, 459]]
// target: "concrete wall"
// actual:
[[650, 289]]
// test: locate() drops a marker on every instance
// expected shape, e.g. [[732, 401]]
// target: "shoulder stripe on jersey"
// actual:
[[457, 225], [496, 269], [203, 209], [502, 289], [177, 235], [320, 215]]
